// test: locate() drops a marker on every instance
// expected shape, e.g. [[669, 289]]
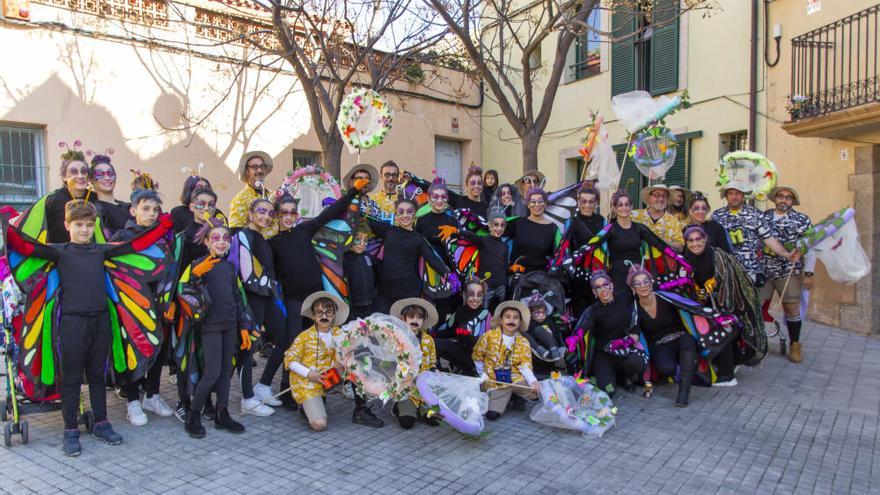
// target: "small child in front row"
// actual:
[[313, 353], [419, 315], [545, 339], [83, 331], [360, 272], [503, 356], [227, 318]]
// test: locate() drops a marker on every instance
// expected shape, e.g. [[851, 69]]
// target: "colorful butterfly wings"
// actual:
[[330, 244], [136, 333], [589, 258]]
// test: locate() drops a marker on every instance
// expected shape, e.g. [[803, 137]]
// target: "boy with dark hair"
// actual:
[[146, 206], [360, 272], [84, 328]]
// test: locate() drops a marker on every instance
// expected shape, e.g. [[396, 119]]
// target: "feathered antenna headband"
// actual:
[[143, 180], [72, 154], [197, 172], [98, 158]]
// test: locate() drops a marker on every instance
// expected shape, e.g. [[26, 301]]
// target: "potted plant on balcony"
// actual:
[[798, 107]]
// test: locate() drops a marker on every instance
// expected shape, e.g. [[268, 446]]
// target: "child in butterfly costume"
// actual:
[[216, 325], [64, 311], [419, 315], [504, 355]]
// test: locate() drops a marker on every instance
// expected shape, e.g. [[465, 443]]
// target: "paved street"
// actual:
[[808, 428]]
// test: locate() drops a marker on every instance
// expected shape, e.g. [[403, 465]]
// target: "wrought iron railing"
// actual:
[[834, 67]]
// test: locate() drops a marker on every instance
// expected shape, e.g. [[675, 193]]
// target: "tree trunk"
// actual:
[[530, 152], [331, 148]]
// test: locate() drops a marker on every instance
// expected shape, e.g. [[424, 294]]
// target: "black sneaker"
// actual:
[[181, 411], [194, 425], [223, 421], [104, 432], [209, 412], [364, 416], [70, 443], [517, 403], [492, 415]]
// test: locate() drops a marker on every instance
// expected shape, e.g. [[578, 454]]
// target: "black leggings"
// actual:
[[279, 331], [681, 353], [457, 353], [153, 377], [606, 368], [218, 347], [85, 345], [266, 313], [494, 297]]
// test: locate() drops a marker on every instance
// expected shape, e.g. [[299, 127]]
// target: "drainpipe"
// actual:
[[753, 78]]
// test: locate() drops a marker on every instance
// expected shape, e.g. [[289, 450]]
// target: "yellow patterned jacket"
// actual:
[[238, 211], [667, 227], [309, 351], [491, 351], [384, 201], [429, 361]]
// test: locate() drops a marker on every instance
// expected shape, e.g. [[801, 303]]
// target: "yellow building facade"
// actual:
[[830, 169]]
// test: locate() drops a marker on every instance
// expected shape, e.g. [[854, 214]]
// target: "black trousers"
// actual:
[[218, 347], [457, 352], [152, 379], [362, 311], [85, 345], [267, 314], [681, 353], [607, 368], [272, 318], [494, 297]]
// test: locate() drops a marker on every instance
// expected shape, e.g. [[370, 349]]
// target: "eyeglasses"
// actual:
[[264, 211], [257, 166], [219, 238], [391, 175], [325, 312], [84, 171], [700, 208], [104, 174], [602, 287], [201, 205], [406, 211], [643, 283], [286, 213], [536, 202]]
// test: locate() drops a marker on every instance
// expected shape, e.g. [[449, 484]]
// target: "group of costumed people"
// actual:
[[391, 287]]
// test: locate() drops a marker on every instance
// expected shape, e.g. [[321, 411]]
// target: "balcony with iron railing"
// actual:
[[835, 84]]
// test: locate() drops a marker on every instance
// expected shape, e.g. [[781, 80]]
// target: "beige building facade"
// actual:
[[830, 168], [155, 81]]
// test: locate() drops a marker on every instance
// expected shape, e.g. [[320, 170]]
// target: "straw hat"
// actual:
[[524, 313], [775, 190], [374, 176], [341, 307], [242, 164], [646, 192], [431, 316]]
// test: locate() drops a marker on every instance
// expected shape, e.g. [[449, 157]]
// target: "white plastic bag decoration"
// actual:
[[638, 109], [603, 166], [381, 356], [843, 256], [574, 404], [457, 399], [364, 119]]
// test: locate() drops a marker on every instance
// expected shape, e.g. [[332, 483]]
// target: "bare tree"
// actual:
[[333, 45], [503, 41]]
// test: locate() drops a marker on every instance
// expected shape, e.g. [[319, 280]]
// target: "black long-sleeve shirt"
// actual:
[[494, 258], [459, 201], [295, 261], [533, 243], [607, 322], [626, 245], [113, 215], [584, 228], [429, 226], [666, 322], [360, 273], [399, 276]]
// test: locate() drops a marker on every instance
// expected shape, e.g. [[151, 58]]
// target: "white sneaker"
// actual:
[[264, 393], [135, 414], [157, 405], [729, 383], [255, 407]]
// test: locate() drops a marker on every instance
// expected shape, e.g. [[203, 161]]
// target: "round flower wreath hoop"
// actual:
[[364, 119], [309, 185], [761, 173], [381, 356]]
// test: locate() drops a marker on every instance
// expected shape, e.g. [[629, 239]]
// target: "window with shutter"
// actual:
[[623, 53], [664, 47]]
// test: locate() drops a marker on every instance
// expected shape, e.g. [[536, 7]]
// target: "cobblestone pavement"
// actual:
[[808, 428]]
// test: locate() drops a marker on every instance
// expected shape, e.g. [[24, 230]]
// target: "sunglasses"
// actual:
[[84, 171], [219, 237], [406, 211], [201, 205], [101, 175]]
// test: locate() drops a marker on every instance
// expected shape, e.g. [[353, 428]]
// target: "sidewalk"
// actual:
[[807, 428]]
